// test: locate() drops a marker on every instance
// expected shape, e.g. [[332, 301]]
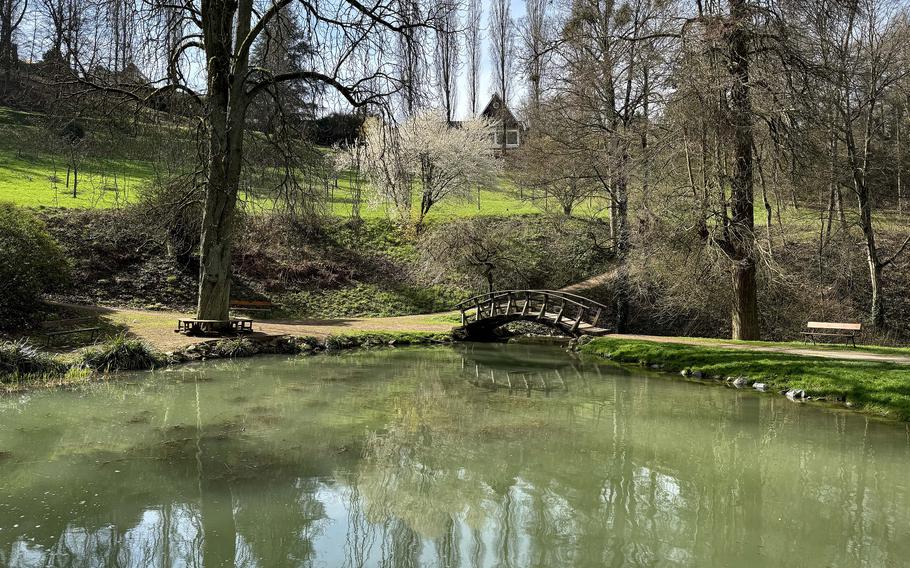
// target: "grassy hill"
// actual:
[[115, 162]]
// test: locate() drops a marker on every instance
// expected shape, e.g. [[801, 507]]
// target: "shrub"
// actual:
[[238, 347], [31, 263], [21, 358], [121, 354], [370, 300]]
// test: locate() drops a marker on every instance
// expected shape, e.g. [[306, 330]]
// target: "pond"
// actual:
[[471, 455]]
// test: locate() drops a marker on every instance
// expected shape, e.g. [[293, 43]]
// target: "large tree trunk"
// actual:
[[217, 235], [226, 114], [742, 226]]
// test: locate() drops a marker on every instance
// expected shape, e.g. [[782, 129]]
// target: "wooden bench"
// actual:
[[253, 306], [59, 328], [849, 331], [197, 326]]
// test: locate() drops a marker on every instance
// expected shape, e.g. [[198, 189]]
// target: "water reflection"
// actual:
[[407, 458]]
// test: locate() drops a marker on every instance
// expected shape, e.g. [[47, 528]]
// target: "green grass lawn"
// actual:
[[874, 387], [33, 173], [41, 181], [876, 349]]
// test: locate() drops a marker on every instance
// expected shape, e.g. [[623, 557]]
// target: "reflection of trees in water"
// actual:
[[609, 472]]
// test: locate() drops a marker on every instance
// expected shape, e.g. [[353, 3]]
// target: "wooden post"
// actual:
[[524, 310], [597, 317], [509, 304], [543, 307], [581, 313], [562, 308]]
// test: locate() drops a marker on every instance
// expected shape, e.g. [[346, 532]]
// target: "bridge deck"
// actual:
[[571, 313]]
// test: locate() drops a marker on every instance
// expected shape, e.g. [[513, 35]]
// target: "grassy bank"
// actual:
[[24, 367], [875, 387]]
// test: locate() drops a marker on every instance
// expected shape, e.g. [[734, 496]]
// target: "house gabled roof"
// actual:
[[496, 110]]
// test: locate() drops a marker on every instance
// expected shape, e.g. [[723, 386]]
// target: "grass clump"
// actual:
[[873, 386], [121, 354], [238, 347], [22, 359], [384, 338]]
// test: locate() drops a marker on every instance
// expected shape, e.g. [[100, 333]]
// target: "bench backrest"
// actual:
[[57, 324], [834, 325], [250, 303]]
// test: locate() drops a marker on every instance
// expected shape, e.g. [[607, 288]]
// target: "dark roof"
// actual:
[[497, 110]]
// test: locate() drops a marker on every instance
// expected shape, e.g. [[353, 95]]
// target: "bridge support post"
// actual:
[[581, 314], [543, 307]]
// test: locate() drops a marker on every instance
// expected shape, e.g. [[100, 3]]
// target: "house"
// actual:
[[508, 132]]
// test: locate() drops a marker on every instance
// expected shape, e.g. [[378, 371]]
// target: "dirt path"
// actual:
[[807, 351], [157, 327], [592, 282]]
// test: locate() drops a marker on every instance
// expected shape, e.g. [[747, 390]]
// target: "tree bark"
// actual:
[[226, 103], [745, 316]]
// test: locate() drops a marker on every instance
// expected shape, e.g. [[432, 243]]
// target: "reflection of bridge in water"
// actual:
[[572, 314], [520, 381], [532, 370]]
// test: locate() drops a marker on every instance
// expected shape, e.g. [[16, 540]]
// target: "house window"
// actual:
[[511, 138]]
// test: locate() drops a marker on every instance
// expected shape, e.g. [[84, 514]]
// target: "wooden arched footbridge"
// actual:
[[570, 313]]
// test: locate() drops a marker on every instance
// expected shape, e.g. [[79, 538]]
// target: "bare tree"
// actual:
[[411, 64], [222, 34], [534, 50], [502, 53], [448, 56], [863, 61], [502, 48], [11, 14], [473, 39]]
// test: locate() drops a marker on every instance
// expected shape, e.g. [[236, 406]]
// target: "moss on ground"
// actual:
[[875, 387]]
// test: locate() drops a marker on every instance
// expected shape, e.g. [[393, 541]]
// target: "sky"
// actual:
[[31, 46]]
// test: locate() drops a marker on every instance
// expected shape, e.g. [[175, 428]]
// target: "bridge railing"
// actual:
[[560, 308]]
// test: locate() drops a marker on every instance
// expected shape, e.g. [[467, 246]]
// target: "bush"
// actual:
[[239, 347], [369, 300], [121, 354], [19, 358], [31, 263]]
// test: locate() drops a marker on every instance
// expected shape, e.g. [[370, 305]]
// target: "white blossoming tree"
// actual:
[[427, 157]]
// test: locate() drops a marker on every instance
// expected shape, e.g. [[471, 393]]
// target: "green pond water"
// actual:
[[426, 457]]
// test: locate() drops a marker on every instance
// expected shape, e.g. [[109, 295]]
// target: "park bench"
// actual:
[[849, 331], [59, 328], [264, 306], [201, 326]]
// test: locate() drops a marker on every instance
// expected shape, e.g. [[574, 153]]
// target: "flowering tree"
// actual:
[[427, 155]]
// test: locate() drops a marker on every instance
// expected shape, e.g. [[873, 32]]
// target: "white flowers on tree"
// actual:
[[429, 158]]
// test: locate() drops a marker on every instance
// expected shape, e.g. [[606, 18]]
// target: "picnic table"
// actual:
[[202, 326]]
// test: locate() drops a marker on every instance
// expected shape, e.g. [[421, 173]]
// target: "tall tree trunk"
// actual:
[[622, 253], [742, 226], [873, 260], [226, 109]]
